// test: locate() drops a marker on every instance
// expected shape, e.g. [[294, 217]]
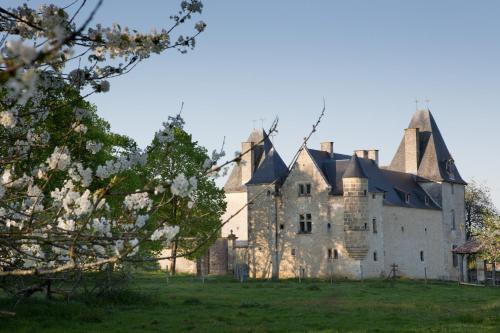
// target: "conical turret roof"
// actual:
[[435, 161]]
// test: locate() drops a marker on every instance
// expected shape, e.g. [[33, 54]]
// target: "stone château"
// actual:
[[343, 215]]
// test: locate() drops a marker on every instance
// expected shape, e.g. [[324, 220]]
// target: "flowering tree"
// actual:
[[489, 237], [478, 206], [174, 155], [68, 191]]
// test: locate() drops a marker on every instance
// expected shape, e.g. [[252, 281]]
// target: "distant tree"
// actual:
[[478, 207], [198, 216], [489, 236]]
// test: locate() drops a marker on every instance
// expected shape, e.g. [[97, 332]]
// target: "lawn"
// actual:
[[186, 304]]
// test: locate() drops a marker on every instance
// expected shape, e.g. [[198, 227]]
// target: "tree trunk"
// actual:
[[48, 294], [493, 273], [174, 257]]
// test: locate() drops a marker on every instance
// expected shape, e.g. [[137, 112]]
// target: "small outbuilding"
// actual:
[[476, 270]]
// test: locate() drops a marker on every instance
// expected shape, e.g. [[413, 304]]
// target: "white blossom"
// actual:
[[134, 244], [183, 187], [159, 189], [137, 201], [166, 233], [60, 159], [7, 119], [64, 224], [80, 128], [141, 220], [93, 147]]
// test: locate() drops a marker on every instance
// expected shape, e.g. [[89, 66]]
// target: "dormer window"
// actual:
[[407, 198], [426, 200], [450, 167]]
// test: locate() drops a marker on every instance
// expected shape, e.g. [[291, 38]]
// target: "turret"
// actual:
[[355, 185]]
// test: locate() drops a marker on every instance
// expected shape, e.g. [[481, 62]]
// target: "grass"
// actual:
[[149, 304]]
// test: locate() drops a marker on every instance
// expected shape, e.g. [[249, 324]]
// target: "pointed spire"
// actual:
[[434, 157], [354, 169]]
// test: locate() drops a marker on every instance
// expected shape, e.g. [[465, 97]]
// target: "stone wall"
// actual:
[[407, 232], [239, 223]]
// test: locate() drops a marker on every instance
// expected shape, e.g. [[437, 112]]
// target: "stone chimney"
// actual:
[[328, 147], [361, 153], [247, 162], [373, 155], [412, 150]]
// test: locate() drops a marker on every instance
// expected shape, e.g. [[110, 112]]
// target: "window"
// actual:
[[373, 196], [402, 229], [366, 226], [375, 256], [407, 198], [364, 193], [452, 189], [453, 225], [293, 252], [425, 229], [335, 254], [330, 254], [426, 200], [328, 227], [450, 168], [455, 257], [374, 225], [421, 255], [305, 224], [304, 190], [282, 226]]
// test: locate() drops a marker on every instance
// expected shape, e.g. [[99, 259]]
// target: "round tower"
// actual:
[[355, 184]]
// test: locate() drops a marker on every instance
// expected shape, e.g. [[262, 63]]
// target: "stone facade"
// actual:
[[340, 215]]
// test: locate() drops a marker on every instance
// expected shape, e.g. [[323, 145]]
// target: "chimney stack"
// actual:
[[328, 147], [247, 162], [373, 155], [412, 150], [361, 153]]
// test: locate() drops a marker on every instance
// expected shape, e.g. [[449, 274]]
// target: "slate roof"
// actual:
[[268, 165], [354, 169], [434, 161], [270, 169], [394, 184]]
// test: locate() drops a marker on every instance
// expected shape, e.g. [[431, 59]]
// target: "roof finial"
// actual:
[[427, 101], [416, 104]]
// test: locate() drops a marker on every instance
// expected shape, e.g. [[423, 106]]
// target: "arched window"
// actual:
[[421, 255], [375, 256]]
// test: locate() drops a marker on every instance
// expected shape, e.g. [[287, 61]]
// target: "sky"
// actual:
[[369, 60]]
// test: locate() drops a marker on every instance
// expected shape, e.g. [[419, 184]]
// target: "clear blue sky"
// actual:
[[368, 59]]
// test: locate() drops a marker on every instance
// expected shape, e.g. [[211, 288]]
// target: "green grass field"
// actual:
[[185, 304]]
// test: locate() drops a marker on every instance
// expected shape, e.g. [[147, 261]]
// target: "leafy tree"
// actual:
[[489, 237], [197, 215], [478, 206]]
